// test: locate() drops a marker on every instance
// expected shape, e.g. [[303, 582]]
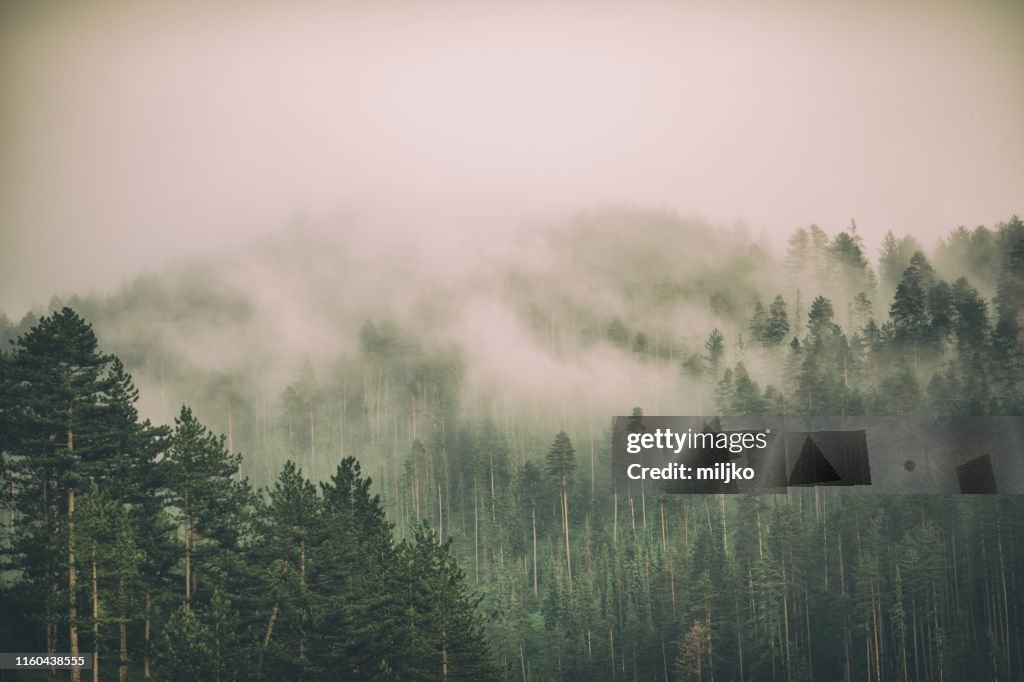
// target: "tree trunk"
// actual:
[[534, 516], [476, 533], [590, 428], [51, 578], [312, 442], [266, 636], [615, 519], [145, 651], [188, 557], [76, 673], [444, 654], [565, 517], [611, 647], [302, 583], [122, 674], [95, 622]]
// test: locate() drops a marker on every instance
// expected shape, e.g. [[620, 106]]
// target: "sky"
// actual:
[[136, 136]]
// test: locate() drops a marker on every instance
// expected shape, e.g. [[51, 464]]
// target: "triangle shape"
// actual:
[[812, 467]]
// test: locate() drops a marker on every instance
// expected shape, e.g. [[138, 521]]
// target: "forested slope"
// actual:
[[483, 414]]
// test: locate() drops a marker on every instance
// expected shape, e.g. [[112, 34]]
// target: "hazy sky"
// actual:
[[130, 134]]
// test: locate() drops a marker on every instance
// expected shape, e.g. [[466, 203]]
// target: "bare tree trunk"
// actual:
[[51, 580], [302, 583], [95, 622], [534, 515], [476, 533], [76, 673], [611, 647], [875, 607], [341, 421], [785, 616], [266, 636], [122, 674], [231, 428], [739, 639], [1006, 604], [312, 442], [188, 556], [149, 622], [565, 517], [615, 519], [444, 654], [590, 428]]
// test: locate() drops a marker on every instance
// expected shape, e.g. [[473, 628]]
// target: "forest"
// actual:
[[419, 487]]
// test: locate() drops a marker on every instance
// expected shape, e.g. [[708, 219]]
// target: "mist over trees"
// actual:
[[489, 543]]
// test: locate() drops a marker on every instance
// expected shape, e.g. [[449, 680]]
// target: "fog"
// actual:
[[230, 193], [134, 137]]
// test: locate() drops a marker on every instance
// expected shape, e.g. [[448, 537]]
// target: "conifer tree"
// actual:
[[798, 253], [1008, 337], [357, 620], [746, 395], [185, 650], [912, 329], [758, 324], [819, 320], [445, 638], [894, 258], [291, 525], [777, 326], [714, 349], [212, 506], [561, 464], [617, 334], [60, 415]]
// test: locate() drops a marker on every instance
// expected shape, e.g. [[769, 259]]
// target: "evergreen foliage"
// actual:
[[492, 544]]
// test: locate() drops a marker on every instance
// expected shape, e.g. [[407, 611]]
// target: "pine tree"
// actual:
[[60, 415], [725, 393], [113, 560], [777, 327], [444, 637], [185, 650], [1008, 337], [899, 393], [819, 320], [640, 344], [561, 464], [862, 310], [847, 259], [1009, 299], [291, 524], [894, 258], [746, 395], [357, 622], [971, 326], [912, 330], [212, 506], [617, 334], [940, 313], [530, 480], [635, 423], [715, 353], [758, 324]]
